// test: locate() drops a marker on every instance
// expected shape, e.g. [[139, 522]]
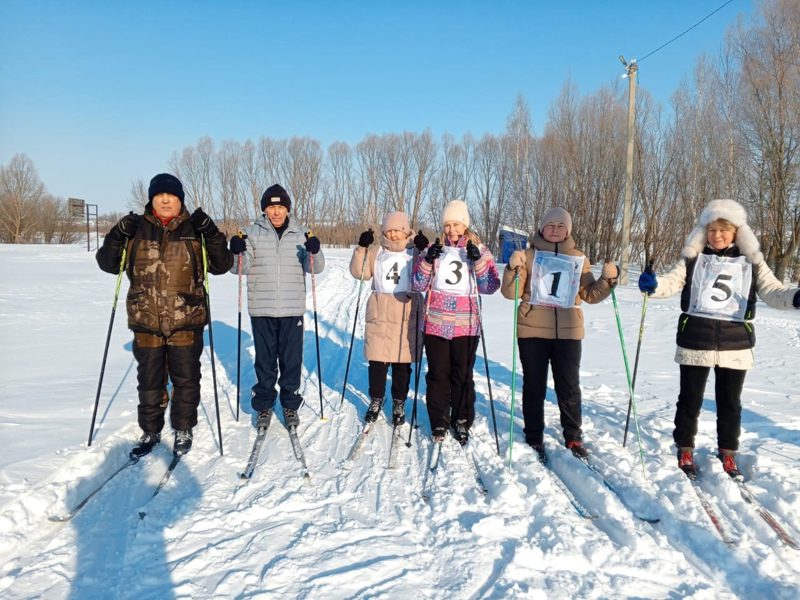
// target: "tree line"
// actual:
[[731, 130]]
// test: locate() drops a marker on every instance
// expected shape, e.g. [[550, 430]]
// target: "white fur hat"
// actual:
[[456, 210], [732, 211]]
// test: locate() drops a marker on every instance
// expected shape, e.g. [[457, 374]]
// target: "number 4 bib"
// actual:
[[720, 287], [452, 272], [393, 271], [555, 279]]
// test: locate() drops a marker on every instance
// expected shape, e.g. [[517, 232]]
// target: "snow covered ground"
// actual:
[[366, 532]]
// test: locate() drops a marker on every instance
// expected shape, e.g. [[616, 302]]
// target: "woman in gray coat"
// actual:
[[276, 255]]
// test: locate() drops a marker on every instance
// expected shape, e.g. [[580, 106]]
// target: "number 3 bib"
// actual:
[[720, 287], [452, 272], [393, 271], [555, 279]]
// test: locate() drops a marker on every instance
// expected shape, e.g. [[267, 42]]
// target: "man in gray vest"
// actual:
[[276, 255]]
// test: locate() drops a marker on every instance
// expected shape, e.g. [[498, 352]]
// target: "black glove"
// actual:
[[128, 225], [366, 239], [238, 244], [420, 241], [434, 252], [796, 301], [473, 253], [312, 243], [202, 223]]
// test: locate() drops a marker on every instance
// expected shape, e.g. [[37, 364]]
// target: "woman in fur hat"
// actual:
[[391, 337], [721, 272], [554, 277], [452, 325]]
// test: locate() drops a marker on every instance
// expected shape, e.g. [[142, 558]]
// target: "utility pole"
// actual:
[[631, 70]]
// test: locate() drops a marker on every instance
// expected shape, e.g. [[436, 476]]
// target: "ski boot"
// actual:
[[729, 463], [438, 434], [290, 418], [541, 454], [578, 450], [264, 418], [686, 461], [145, 444], [374, 410], [398, 412], [461, 431], [183, 442]]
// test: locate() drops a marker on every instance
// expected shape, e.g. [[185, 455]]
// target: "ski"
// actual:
[[397, 441], [298, 453], [176, 458], [766, 515], [255, 454], [621, 498], [712, 514], [362, 437], [582, 511], [473, 467], [433, 463], [67, 517]]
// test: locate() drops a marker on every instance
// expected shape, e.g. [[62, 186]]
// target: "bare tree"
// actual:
[[21, 195]]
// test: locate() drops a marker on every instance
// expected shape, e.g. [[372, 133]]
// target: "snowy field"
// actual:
[[366, 532]]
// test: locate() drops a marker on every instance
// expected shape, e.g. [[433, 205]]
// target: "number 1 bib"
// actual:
[[555, 279], [720, 287], [393, 271], [452, 272]]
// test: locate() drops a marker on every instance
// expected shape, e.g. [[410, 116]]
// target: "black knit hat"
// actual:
[[275, 194], [164, 183]]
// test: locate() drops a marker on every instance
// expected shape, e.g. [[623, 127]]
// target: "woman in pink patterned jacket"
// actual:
[[452, 323]]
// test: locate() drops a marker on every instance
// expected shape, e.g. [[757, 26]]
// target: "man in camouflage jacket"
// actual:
[[166, 304]]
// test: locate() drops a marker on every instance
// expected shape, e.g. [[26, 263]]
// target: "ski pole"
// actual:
[[108, 339], [239, 335], [413, 422], [316, 330], [513, 367], [211, 340], [628, 374], [485, 359], [355, 322], [649, 267]]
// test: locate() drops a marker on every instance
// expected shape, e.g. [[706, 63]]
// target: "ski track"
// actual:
[[366, 532]]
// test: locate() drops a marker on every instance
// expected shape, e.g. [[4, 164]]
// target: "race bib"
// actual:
[[393, 271], [720, 287], [452, 272], [555, 279]]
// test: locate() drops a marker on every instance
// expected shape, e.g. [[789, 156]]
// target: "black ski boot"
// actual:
[[290, 418], [374, 410], [461, 431], [183, 442], [398, 412], [686, 461], [728, 458], [578, 450], [264, 418], [438, 434], [540, 453], [145, 444]]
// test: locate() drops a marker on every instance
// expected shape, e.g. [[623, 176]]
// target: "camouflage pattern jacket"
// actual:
[[165, 267]]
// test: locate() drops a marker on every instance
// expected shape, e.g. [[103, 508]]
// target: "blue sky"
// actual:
[[98, 94]]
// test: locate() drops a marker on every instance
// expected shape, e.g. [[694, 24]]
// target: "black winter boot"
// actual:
[[578, 450], [540, 453], [374, 410], [183, 442], [290, 418], [398, 411], [145, 444], [686, 461], [728, 458], [461, 431]]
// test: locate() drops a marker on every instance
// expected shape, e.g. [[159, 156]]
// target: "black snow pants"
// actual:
[[401, 379], [451, 389], [279, 344]]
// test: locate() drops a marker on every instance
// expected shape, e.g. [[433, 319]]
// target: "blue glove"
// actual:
[[647, 281]]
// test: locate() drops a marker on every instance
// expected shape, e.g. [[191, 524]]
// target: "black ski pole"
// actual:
[[211, 340], [108, 339], [418, 365], [355, 322], [316, 331], [485, 359], [648, 268], [239, 335]]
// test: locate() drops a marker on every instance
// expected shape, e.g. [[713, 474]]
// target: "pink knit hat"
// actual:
[[397, 221], [556, 215]]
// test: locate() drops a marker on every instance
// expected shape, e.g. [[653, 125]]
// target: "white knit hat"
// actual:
[[732, 211], [456, 210]]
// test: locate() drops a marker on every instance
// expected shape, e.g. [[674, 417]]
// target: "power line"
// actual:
[[685, 32]]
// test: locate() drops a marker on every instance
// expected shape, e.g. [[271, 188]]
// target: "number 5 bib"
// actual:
[[720, 287], [393, 271], [452, 272], [555, 279]]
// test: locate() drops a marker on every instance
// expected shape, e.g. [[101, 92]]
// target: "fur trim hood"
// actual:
[[732, 211]]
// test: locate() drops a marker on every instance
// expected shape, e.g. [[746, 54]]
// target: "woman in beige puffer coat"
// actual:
[[392, 334]]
